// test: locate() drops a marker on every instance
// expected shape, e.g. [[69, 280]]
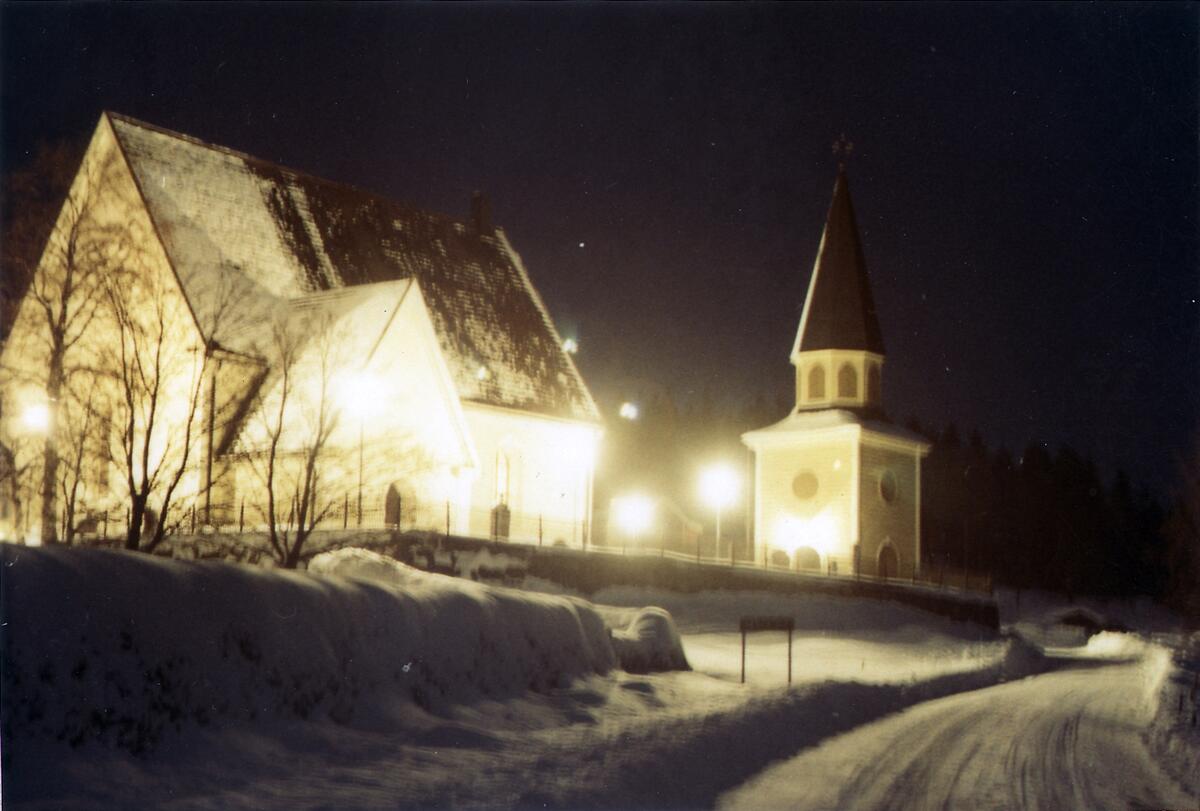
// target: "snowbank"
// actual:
[[1047, 608], [649, 642], [719, 611], [1174, 735], [643, 640], [121, 648]]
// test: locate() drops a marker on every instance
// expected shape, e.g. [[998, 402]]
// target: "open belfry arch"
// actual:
[[837, 486]]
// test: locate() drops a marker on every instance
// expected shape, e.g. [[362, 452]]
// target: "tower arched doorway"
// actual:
[[889, 562], [808, 558]]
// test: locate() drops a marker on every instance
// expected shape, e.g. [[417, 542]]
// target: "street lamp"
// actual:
[[719, 486], [634, 513], [36, 418]]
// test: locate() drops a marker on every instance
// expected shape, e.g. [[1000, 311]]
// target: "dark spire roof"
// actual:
[[839, 312]]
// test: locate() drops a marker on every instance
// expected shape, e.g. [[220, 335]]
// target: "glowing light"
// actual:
[[570, 346], [360, 394], [581, 244], [36, 418], [628, 411], [719, 486], [482, 373], [634, 513], [820, 532]]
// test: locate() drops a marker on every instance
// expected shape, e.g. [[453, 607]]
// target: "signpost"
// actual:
[[768, 623]]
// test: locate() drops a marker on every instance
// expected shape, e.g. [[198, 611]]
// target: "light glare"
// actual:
[[36, 418], [719, 486], [634, 513]]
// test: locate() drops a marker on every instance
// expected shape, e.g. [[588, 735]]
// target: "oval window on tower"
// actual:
[[887, 486], [804, 485]]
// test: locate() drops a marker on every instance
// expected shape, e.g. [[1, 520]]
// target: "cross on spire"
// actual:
[[842, 150]]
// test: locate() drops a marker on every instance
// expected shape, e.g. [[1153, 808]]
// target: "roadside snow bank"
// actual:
[[709, 611], [649, 642], [1174, 735], [644, 640], [121, 648]]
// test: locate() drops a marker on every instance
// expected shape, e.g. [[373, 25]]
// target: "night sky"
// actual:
[[1025, 177]]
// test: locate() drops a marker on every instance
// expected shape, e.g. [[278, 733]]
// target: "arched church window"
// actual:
[[873, 383], [887, 486], [847, 381], [816, 382]]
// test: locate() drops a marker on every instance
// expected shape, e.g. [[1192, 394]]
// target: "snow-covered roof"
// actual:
[[238, 227], [807, 422], [839, 311]]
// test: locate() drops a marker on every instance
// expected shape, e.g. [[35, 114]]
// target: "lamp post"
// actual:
[[718, 487], [634, 514], [360, 395]]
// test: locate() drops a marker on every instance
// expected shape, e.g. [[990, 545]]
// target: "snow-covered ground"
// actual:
[[135, 682], [1067, 739]]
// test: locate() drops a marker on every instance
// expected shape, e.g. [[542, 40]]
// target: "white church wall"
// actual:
[[540, 467], [806, 497], [116, 230]]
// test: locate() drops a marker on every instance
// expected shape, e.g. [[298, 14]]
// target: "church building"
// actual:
[[413, 344], [837, 486]]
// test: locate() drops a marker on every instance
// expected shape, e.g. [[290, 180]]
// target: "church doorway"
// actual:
[[889, 563], [393, 507]]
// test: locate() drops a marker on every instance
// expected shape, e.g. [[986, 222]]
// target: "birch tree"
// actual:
[[288, 446], [61, 305], [162, 365]]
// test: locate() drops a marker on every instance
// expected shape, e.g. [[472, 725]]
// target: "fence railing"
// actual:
[[241, 519]]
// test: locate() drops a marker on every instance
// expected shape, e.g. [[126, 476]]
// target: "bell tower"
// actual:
[[837, 486], [838, 352]]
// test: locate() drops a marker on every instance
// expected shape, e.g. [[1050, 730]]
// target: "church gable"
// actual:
[[230, 220], [105, 218]]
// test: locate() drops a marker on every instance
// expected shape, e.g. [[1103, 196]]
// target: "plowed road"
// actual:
[[1069, 739]]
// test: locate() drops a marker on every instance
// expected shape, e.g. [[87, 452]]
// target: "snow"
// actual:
[[367, 684], [1174, 735], [122, 650], [235, 224], [1066, 739]]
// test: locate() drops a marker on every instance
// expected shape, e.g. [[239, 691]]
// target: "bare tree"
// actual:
[[61, 305], [163, 366], [30, 202], [288, 449]]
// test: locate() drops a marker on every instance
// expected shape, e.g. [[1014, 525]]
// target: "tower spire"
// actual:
[[839, 336]]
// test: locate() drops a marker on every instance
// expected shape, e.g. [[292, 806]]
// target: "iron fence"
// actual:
[[237, 530]]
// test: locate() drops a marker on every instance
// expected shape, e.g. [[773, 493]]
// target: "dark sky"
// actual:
[[1025, 176]]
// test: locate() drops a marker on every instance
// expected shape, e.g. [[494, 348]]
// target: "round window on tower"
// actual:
[[804, 485], [887, 486]]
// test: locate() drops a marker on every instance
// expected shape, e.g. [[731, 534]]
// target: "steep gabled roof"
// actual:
[[241, 229], [839, 311]]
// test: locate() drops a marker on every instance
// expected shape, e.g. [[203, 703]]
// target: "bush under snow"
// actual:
[[121, 648]]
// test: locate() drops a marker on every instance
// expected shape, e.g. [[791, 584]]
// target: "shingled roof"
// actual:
[[280, 235], [839, 312]]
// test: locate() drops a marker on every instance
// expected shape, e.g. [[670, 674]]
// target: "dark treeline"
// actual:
[[1046, 519]]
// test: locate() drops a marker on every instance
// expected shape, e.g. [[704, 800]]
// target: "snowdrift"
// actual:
[[1174, 735], [122, 648]]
